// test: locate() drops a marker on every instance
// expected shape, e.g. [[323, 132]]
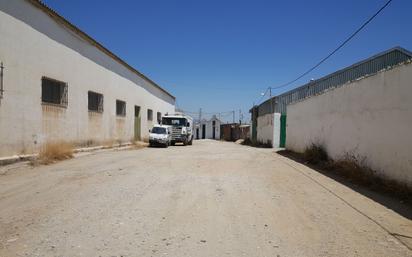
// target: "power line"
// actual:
[[263, 95], [331, 53]]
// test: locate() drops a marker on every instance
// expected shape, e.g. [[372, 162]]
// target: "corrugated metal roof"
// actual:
[[57, 17], [372, 65]]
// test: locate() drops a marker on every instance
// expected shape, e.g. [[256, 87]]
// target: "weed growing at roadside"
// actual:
[[315, 154], [52, 152]]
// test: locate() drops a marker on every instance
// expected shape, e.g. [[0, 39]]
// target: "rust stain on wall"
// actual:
[[120, 128], [54, 122], [95, 126]]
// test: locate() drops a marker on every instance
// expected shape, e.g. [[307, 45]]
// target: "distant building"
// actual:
[[61, 84], [208, 129], [234, 131]]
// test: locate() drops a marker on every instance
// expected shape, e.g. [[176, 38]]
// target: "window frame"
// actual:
[[159, 117], [63, 92], [100, 102], [123, 113], [149, 114]]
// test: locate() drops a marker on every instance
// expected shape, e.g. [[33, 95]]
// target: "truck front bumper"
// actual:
[[179, 139]]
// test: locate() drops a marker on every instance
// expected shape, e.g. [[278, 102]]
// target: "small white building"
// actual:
[[59, 84], [208, 129]]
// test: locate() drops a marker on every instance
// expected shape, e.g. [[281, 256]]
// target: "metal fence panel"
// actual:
[[369, 66]]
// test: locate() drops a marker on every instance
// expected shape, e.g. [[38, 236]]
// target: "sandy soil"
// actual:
[[209, 199]]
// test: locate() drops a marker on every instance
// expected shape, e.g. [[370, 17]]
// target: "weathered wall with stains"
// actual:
[[33, 45], [370, 118], [268, 129]]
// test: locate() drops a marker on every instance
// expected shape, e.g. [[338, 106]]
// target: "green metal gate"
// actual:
[[282, 130]]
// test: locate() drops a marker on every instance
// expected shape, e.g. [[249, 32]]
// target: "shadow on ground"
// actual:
[[401, 206]]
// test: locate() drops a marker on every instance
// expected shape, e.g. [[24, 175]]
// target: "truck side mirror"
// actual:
[[188, 124], [150, 130]]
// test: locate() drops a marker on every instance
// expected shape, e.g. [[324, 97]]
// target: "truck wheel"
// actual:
[[191, 141], [172, 143], [166, 145]]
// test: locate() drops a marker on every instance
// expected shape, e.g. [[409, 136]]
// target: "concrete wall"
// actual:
[[268, 129], [370, 118], [33, 45]]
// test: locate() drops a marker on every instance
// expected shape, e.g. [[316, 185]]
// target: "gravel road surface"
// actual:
[[209, 199]]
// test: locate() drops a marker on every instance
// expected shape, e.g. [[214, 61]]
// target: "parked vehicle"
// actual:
[[160, 135], [182, 128]]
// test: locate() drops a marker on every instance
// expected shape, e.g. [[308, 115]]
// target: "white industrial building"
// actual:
[[269, 119], [369, 119], [60, 84], [208, 128], [363, 111]]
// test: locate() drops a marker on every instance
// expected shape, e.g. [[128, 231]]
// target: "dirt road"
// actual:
[[209, 199]]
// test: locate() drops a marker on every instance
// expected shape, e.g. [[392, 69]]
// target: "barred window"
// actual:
[[54, 92], [149, 114], [120, 108], [159, 117], [95, 103]]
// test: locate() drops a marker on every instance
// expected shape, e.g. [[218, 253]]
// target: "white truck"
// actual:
[[182, 128]]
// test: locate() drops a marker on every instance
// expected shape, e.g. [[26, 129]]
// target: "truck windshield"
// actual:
[[159, 130], [174, 121]]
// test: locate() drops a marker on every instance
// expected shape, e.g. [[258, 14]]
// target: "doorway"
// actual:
[[137, 123], [197, 133], [203, 131], [214, 133]]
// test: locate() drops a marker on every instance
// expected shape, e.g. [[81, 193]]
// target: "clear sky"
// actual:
[[220, 55]]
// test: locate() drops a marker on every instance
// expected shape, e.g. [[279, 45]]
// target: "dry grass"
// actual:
[[357, 171], [53, 152], [138, 145], [353, 169], [315, 154], [249, 142]]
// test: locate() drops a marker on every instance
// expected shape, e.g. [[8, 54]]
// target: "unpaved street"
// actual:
[[209, 199]]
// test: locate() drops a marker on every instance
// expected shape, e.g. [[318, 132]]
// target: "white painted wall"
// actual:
[[209, 128], [371, 118], [33, 45], [268, 129]]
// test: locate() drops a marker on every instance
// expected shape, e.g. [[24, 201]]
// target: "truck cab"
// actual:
[[160, 135], [182, 128]]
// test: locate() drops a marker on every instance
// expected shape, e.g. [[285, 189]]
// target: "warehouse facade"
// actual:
[[269, 119], [367, 121], [59, 84]]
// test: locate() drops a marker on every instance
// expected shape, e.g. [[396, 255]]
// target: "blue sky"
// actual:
[[220, 55]]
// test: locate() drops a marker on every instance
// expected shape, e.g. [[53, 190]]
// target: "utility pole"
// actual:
[[240, 116], [200, 115], [233, 116], [270, 99], [1, 80]]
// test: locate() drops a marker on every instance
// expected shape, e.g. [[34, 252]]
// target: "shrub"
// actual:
[[315, 154], [259, 144], [52, 152], [358, 172]]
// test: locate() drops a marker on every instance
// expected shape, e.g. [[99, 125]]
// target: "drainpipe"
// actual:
[[1, 80]]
